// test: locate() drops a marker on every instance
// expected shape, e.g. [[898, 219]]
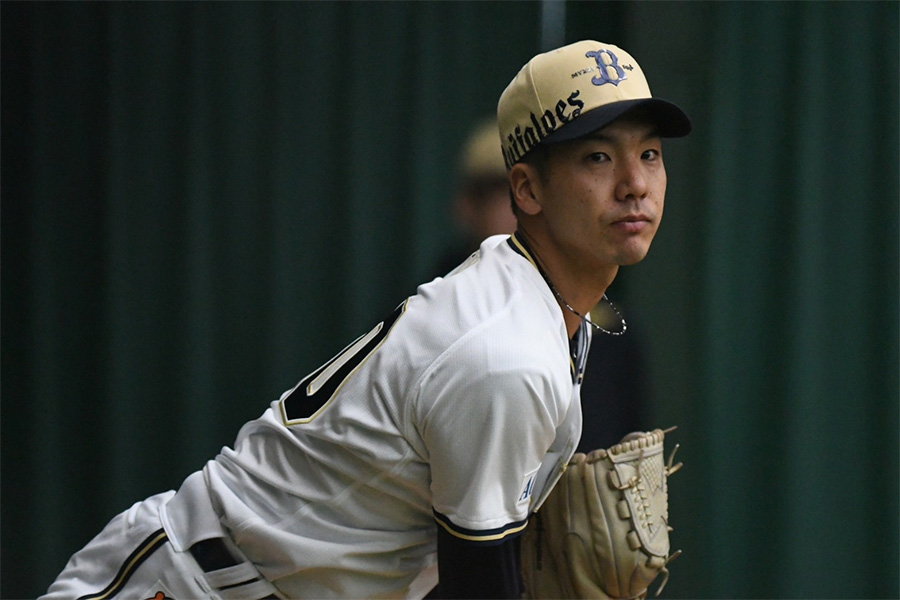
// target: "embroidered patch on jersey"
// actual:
[[527, 487]]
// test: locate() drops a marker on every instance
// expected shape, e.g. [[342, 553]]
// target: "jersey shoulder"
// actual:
[[492, 326], [494, 305]]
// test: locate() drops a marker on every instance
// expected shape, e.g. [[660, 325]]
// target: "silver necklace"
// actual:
[[538, 262], [585, 319]]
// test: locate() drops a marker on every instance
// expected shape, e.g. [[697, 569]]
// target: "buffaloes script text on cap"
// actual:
[[575, 90]]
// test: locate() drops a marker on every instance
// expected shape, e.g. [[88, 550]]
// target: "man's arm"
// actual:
[[478, 569]]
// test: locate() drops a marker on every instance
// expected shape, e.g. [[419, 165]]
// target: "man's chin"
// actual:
[[632, 258]]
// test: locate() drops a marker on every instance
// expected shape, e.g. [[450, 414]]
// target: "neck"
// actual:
[[577, 290]]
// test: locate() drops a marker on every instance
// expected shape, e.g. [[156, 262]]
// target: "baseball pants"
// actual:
[[133, 558]]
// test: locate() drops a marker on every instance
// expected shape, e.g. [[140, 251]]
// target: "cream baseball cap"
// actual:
[[480, 157], [573, 91]]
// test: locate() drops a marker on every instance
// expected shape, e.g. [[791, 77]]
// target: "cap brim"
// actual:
[[671, 121]]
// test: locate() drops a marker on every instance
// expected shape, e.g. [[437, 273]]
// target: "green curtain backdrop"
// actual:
[[774, 300], [201, 202]]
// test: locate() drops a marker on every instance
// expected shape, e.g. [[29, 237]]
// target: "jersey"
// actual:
[[460, 409]]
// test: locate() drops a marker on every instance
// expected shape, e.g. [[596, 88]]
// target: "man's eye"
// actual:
[[650, 154], [598, 157]]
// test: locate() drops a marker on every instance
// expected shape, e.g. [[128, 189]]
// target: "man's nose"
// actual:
[[632, 182]]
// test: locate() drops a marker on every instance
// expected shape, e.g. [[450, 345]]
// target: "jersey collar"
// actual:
[[520, 247], [580, 342]]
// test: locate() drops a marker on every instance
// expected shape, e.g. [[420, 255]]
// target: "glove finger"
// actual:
[[600, 500]]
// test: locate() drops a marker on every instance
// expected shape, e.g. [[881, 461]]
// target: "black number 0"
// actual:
[[314, 393]]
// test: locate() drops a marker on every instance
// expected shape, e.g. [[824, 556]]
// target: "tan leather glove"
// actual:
[[604, 530]]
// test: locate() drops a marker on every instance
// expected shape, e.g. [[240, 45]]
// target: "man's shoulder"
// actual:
[[494, 295], [488, 281], [492, 309]]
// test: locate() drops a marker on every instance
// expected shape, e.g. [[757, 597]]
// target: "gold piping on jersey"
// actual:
[[491, 535], [578, 357], [520, 247], [140, 554]]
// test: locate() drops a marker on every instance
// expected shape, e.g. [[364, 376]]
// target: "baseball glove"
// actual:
[[604, 530]]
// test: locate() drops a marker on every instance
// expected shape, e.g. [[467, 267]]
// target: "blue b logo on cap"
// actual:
[[603, 67]]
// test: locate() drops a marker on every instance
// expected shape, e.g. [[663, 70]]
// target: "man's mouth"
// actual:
[[633, 223]]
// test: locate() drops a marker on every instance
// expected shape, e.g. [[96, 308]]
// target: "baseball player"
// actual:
[[410, 462], [613, 392]]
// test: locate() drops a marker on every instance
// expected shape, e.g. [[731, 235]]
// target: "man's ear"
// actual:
[[525, 186]]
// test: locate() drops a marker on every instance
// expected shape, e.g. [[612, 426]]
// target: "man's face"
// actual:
[[602, 196]]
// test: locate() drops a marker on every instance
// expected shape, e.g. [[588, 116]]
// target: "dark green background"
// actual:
[[201, 202]]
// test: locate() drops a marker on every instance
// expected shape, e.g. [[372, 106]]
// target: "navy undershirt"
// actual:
[[477, 570]]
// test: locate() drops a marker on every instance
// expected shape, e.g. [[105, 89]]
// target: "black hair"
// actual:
[[538, 158]]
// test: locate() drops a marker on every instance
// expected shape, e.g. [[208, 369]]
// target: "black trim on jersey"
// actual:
[[483, 537], [302, 404], [134, 560], [579, 347], [520, 247], [578, 344]]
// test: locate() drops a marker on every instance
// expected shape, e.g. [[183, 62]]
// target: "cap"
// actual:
[[573, 91], [481, 157]]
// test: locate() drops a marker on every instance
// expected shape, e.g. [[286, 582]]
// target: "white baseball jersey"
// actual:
[[462, 407]]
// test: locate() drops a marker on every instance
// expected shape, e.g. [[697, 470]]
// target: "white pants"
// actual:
[[133, 558]]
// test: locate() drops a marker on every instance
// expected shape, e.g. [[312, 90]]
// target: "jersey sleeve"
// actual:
[[489, 414]]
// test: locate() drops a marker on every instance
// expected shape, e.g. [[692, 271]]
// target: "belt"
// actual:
[[226, 573], [212, 555]]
